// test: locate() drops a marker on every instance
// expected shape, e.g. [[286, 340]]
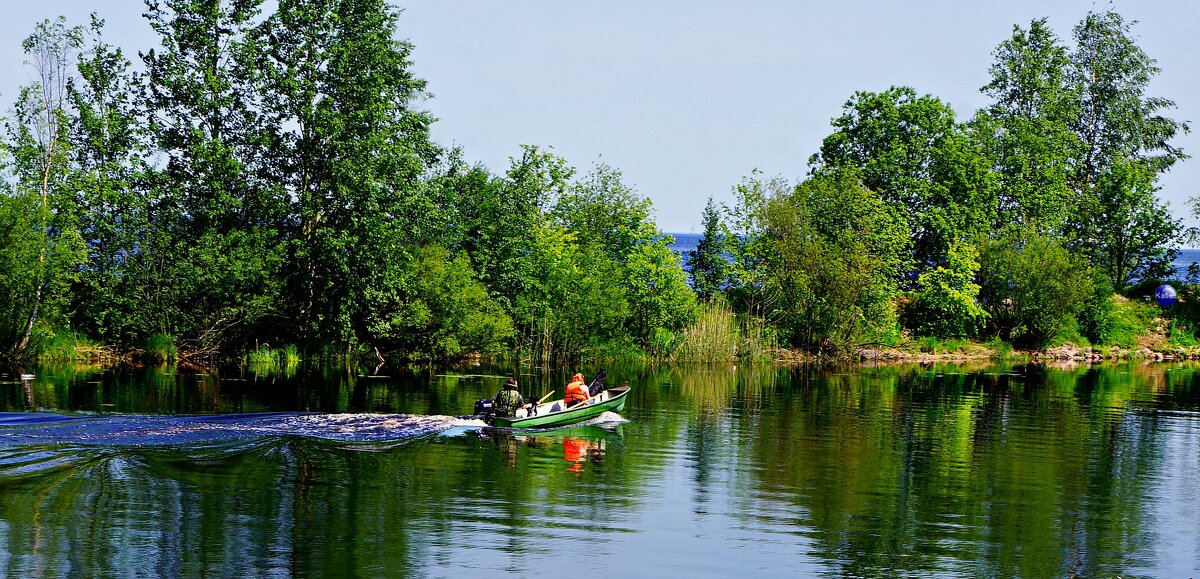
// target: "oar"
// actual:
[[545, 397]]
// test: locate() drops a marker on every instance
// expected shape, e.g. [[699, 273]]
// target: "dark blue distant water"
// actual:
[[1186, 257], [685, 242]]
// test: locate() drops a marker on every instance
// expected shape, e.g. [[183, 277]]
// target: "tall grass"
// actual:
[[265, 357], [720, 335], [161, 348], [68, 346], [714, 337]]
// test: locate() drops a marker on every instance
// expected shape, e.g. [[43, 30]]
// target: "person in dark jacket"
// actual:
[[508, 400], [597, 384]]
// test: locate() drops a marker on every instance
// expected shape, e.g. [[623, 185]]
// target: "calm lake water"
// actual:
[[942, 470]]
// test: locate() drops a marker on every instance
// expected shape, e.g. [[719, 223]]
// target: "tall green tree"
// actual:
[[503, 218], [1132, 232], [612, 222], [707, 264], [109, 151], [40, 217], [1027, 130], [745, 223], [345, 140], [1118, 120], [911, 151], [213, 257], [1126, 143]]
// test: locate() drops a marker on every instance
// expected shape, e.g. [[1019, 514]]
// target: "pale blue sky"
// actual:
[[686, 97]]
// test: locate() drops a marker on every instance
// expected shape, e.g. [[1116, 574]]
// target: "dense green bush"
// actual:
[[1032, 287], [436, 309], [945, 303], [837, 255]]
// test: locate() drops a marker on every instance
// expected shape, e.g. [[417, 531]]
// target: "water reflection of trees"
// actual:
[[886, 468], [878, 472]]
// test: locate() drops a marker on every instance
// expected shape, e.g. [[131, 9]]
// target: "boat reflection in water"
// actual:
[[578, 445]]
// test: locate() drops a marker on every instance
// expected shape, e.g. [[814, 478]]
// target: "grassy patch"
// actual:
[[68, 346], [1130, 320], [161, 348], [1001, 350], [285, 358], [932, 345], [720, 335]]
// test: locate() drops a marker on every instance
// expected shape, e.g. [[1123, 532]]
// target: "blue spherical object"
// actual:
[[1165, 295]]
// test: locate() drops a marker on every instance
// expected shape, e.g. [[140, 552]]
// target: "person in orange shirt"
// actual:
[[577, 391]]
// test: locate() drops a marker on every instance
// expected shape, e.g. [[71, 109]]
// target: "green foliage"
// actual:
[[605, 213], [909, 150], [264, 357], [61, 345], [267, 175], [707, 265], [1117, 121], [109, 152], [436, 309], [573, 306], [745, 230], [39, 221], [1001, 350], [1032, 287], [1181, 334], [1026, 132], [657, 290], [715, 336], [1098, 315], [1079, 144], [946, 305], [935, 345], [1130, 320], [160, 348], [1131, 229], [838, 253]]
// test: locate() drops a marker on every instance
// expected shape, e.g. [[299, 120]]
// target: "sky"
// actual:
[[687, 97]]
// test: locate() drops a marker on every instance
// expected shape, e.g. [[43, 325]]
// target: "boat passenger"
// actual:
[[508, 400], [597, 384], [577, 391]]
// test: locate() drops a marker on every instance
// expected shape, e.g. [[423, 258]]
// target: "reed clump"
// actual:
[[720, 335], [287, 357], [161, 348]]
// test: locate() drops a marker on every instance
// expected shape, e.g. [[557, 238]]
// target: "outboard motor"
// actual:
[[484, 407]]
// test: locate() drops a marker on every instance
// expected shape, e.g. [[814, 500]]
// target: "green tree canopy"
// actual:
[[910, 150]]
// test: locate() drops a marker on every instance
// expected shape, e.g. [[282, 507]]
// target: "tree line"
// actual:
[[265, 175], [1018, 223]]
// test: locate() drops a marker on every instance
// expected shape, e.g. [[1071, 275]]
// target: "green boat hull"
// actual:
[[611, 400]]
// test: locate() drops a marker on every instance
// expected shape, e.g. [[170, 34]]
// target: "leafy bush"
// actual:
[[436, 308], [1001, 350], [945, 304], [838, 253], [1130, 319], [1032, 287]]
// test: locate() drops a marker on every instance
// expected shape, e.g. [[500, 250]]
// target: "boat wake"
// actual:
[[156, 430]]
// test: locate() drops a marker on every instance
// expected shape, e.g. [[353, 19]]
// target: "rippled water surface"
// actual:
[[918, 471]]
